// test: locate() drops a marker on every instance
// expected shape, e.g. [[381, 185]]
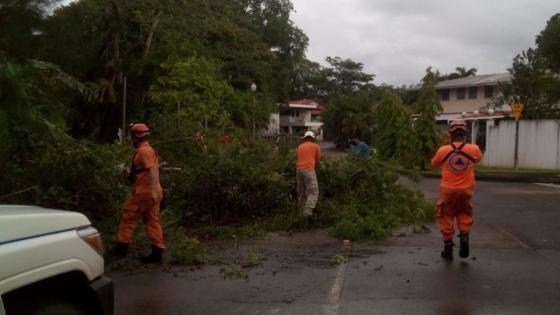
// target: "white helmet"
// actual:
[[309, 134]]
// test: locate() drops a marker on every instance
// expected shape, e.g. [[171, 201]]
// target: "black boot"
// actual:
[[447, 252], [119, 250], [464, 245], [154, 257]]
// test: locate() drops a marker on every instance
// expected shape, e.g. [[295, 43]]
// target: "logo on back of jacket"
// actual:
[[458, 162]]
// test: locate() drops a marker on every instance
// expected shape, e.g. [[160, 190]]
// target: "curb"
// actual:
[[513, 178]]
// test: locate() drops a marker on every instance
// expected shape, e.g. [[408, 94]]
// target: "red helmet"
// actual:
[[458, 124], [139, 130]]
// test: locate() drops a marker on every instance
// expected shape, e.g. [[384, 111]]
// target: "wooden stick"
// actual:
[[18, 192], [171, 140]]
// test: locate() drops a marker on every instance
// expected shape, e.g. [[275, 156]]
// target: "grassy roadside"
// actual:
[[497, 170], [487, 170]]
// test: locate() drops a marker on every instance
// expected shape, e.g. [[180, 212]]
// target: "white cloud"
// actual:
[[397, 39]]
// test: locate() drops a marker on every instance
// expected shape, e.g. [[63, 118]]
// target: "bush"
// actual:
[[240, 189], [186, 251], [243, 189], [362, 199], [233, 183], [70, 175]]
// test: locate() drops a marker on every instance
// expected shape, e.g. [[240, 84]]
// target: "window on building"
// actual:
[[461, 93], [444, 95], [473, 92], [295, 113], [489, 91]]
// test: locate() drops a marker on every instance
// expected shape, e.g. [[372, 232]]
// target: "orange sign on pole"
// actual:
[[517, 108]]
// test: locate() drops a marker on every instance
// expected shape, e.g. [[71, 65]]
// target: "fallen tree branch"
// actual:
[[172, 224], [171, 140], [148, 44], [18, 192]]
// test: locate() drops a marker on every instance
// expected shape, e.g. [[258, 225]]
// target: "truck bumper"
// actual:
[[102, 287]]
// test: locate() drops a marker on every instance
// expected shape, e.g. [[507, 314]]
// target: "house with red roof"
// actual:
[[299, 116]]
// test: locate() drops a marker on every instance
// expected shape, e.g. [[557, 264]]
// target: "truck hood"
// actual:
[[20, 222]]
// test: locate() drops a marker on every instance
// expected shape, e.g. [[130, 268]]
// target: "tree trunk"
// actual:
[[108, 126], [148, 44]]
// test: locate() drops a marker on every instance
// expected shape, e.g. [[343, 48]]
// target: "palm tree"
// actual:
[[462, 72]]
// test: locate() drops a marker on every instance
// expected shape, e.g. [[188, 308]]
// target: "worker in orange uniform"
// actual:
[[308, 156], [199, 139], [145, 200], [456, 190]]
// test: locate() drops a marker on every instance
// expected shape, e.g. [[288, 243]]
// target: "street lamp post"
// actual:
[[254, 90]]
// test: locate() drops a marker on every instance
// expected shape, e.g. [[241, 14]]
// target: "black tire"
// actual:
[[53, 307]]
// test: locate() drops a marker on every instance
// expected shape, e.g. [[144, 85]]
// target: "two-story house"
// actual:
[[299, 116], [470, 98], [470, 95]]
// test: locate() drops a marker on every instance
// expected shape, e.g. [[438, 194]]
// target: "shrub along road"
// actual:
[[514, 268]]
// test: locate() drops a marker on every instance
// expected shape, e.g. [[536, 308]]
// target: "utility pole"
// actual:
[[516, 108], [516, 154]]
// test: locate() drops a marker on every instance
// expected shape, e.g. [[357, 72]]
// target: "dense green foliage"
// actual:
[[394, 138], [351, 115], [223, 47], [536, 76], [408, 133], [194, 88], [350, 98], [232, 183], [189, 63], [426, 131], [184, 67], [364, 201]]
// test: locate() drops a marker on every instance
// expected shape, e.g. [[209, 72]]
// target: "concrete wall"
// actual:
[[539, 144]]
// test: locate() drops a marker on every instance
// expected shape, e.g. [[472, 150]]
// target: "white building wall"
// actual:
[[539, 144], [454, 105]]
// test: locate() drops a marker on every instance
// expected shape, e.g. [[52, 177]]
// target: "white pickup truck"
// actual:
[[51, 262]]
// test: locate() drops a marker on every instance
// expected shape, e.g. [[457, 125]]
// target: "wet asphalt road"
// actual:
[[514, 268]]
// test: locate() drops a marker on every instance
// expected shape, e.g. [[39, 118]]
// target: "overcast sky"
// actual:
[[397, 39]]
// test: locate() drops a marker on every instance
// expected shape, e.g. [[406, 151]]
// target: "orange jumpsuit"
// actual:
[[456, 189], [141, 204]]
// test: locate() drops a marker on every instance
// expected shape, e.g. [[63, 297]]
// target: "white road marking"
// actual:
[[515, 239], [333, 302], [548, 185]]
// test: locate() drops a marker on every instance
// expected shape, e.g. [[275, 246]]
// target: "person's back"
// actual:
[[360, 148], [457, 161], [308, 153], [457, 187], [308, 156]]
